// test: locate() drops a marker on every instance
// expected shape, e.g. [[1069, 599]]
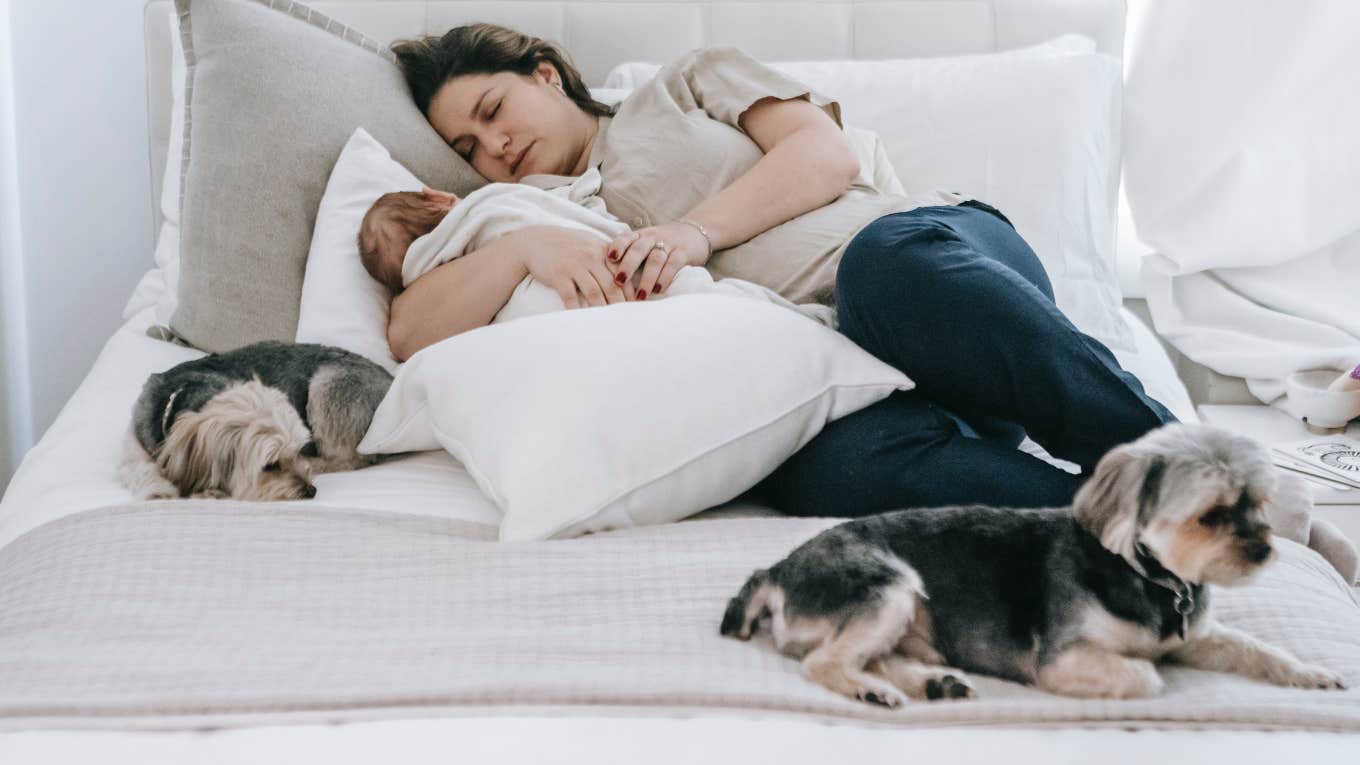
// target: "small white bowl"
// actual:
[[1321, 408]]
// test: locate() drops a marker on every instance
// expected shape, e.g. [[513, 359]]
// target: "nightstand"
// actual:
[[1271, 426]]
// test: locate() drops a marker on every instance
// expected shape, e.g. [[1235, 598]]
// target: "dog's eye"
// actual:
[[1216, 517], [273, 467]]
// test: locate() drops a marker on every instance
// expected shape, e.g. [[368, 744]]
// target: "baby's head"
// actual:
[[392, 223]]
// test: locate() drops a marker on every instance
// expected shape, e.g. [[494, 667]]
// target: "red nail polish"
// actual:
[[642, 294], [613, 256], [656, 290], [620, 278]]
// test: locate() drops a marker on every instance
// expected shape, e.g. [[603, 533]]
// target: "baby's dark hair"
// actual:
[[390, 225]]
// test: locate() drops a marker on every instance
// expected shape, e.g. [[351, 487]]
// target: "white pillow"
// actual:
[[1034, 131], [341, 304], [159, 287], [629, 414]]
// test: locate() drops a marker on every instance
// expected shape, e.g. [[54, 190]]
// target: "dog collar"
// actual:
[[165, 416], [1153, 571]]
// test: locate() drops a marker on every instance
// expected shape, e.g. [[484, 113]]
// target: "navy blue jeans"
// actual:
[[957, 300]]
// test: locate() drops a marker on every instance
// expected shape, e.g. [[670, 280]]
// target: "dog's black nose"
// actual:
[[1257, 552], [308, 491]]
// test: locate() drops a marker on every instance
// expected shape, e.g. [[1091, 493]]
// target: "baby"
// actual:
[[406, 234]]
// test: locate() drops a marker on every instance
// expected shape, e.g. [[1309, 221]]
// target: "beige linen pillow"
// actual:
[[272, 93]]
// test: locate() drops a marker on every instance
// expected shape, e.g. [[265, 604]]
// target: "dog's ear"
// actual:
[[185, 458], [1118, 498]]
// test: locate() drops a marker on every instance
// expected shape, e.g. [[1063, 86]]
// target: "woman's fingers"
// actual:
[[590, 288], [614, 253], [633, 258], [656, 261], [666, 278], [613, 292]]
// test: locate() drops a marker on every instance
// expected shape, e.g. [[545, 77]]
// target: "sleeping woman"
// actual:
[[725, 163]]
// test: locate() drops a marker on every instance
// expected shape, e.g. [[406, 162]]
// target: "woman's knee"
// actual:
[[891, 257]]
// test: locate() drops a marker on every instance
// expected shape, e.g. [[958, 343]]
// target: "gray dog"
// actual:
[[255, 423], [1079, 601]]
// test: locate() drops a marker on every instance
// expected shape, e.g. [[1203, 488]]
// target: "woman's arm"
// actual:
[[808, 162], [467, 292], [462, 294]]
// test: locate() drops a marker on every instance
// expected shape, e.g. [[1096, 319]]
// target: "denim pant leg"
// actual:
[[954, 297], [905, 451]]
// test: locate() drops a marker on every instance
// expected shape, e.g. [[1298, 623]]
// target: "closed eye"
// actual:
[[466, 148], [273, 467], [1217, 516]]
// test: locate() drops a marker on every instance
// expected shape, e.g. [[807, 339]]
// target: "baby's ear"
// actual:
[[443, 197]]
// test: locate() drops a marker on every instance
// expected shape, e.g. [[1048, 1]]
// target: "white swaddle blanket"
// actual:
[[499, 208]]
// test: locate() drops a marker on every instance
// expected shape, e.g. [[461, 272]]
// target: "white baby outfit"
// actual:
[[499, 208]]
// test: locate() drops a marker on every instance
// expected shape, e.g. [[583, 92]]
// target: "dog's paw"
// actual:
[[881, 697], [1313, 676], [210, 494], [949, 687], [1141, 681]]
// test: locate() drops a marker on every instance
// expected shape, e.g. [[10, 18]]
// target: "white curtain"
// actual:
[[1242, 154]]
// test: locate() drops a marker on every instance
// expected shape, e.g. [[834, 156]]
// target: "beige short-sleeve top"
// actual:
[[675, 141]]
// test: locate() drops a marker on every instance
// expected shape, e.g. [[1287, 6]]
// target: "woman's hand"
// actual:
[[659, 251], [571, 262]]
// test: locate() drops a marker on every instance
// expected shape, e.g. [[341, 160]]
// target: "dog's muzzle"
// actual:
[[1258, 552]]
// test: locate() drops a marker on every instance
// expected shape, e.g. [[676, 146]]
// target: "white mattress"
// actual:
[[73, 468]]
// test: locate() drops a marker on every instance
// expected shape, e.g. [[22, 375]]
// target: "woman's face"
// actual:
[[509, 125]]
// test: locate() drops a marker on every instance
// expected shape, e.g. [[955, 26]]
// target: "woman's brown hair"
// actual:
[[430, 61]]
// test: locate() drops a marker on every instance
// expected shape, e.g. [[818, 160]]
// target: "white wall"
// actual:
[[15, 424], [83, 192]]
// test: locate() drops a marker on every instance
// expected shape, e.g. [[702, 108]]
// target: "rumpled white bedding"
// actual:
[[74, 466], [1243, 173]]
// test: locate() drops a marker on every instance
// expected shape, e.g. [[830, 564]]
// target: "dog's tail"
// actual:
[[750, 604]]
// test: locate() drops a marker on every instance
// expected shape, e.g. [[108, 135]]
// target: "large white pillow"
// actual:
[[629, 414], [1034, 131], [341, 304]]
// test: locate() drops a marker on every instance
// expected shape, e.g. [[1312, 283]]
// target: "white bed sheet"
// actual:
[[74, 466]]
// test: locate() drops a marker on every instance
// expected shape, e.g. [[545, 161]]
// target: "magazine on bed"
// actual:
[[1333, 461]]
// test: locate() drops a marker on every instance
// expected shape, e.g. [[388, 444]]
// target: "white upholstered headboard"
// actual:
[[602, 33]]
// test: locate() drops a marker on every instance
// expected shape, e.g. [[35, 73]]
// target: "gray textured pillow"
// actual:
[[274, 89]]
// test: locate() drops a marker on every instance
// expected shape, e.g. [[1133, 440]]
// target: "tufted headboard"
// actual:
[[602, 33]]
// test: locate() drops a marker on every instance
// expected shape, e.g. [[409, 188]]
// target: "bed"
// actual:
[[216, 631]]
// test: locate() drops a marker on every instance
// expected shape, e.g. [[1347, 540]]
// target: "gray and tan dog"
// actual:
[[256, 423], [1079, 601]]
